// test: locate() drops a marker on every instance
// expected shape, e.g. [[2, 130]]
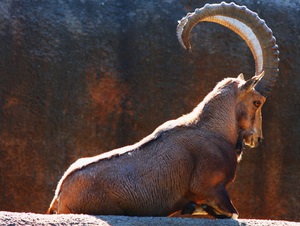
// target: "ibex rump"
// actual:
[[185, 164]]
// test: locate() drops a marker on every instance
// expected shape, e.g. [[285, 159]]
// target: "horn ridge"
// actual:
[[247, 24]]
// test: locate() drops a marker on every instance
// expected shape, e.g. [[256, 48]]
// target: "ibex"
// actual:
[[185, 164]]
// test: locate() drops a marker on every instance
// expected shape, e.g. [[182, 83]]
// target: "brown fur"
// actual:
[[188, 160]]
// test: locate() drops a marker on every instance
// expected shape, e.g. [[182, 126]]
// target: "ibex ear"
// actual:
[[249, 84], [241, 76]]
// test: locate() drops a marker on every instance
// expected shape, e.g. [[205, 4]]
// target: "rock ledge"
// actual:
[[13, 218]]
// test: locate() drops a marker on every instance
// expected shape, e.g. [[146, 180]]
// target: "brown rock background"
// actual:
[[78, 78]]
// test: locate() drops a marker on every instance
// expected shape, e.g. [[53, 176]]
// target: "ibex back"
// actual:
[[185, 164]]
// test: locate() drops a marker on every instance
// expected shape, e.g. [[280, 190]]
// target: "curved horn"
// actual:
[[258, 36]]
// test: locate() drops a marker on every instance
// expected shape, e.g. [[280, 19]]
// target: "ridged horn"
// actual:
[[258, 36]]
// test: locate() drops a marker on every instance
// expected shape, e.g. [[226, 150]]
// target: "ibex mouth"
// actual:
[[249, 138], [252, 144], [251, 141]]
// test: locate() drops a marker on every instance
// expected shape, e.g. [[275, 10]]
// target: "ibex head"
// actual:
[[248, 111], [262, 43]]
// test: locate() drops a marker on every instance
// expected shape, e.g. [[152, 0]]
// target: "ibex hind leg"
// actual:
[[53, 206]]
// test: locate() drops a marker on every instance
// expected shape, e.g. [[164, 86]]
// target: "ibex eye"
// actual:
[[256, 103]]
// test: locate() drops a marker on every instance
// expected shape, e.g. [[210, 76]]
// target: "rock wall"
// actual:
[[78, 78]]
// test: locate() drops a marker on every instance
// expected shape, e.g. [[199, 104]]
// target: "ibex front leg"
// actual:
[[218, 205], [194, 209], [220, 202]]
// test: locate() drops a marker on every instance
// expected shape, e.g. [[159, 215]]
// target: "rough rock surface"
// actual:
[[78, 78], [10, 218]]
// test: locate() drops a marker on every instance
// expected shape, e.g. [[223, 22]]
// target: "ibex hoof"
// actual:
[[189, 208], [234, 216]]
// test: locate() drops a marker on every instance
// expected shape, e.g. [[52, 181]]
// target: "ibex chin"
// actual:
[[185, 164]]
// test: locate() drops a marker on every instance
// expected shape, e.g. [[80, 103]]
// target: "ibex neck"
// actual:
[[217, 113]]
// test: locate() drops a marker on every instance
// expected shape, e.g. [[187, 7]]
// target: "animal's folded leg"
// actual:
[[194, 209]]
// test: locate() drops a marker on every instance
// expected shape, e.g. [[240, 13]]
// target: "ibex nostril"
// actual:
[[259, 139]]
